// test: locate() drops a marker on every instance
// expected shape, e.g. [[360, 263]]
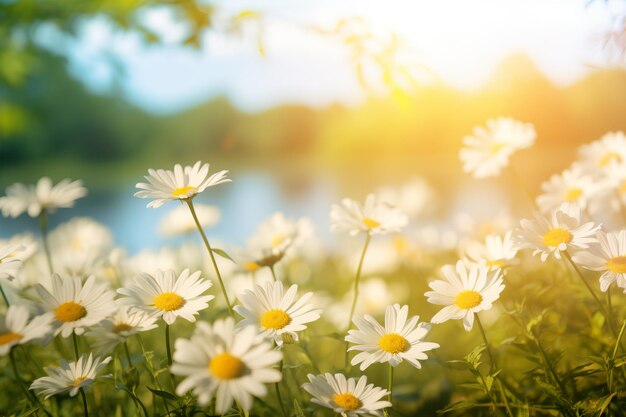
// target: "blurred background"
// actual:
[[304, 102]]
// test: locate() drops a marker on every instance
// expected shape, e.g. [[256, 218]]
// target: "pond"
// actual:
[[244, 204]]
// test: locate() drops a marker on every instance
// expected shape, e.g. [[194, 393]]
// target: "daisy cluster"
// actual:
[[199, 329]]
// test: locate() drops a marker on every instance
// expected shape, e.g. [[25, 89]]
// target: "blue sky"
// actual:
[[459, 41]]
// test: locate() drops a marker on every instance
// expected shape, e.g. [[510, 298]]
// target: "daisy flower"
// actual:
[[179, 184], [399, 339], [413, 198], [44, 196], [497, 252], [610, 149], [75, 305], [226, 363], [17, 329], [374, 217], [168, 296], [488, 149], [123, 324], [608, 257], [279, 233], [9, 261], [348, 397], [572, 186], [179, 221], [466, 291], [563, 230], [70, 376], [278, 313]]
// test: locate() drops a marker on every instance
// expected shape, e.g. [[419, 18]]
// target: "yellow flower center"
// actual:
[[168, 301], [122, 327], [496, 147], [610, 157], [556, 236], [278, 240], [6, 338], [226, 366], [617, 264], [70, 311], [468, 299], [183, 191], [393, 343], [496, 264], [347, 401], [275, 319], [371, 223], [573, 194], [251, 266], [76, 382]]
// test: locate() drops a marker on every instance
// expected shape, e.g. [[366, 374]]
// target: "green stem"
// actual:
[[273, 273], [154, 376], [32, 398], [493, 366], [278, 395], [357, 279], [615, 348], [43, 226], [4, 296], [130, 362], [390, 383], [75, 343], [603, 310], [208, 248], [85, 408], [167, 345]]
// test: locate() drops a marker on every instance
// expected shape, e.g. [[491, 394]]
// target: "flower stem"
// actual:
[[617, 343], [603, 310], [278, 395], [75, 343], [32, 398], [43, 226], [154, 376], [130, 362], [208, 248], [85, 408], [493, 366], [390, 383], [273, 273], [167, 345], [4, 296], [357, 278]]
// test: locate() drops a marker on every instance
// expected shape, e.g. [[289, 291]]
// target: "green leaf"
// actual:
[[223, 254], [163, 394], [458, 365], [297, 409]]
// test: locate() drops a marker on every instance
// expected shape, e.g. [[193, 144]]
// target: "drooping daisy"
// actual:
[[610, 149], [76, 306], [123, 324], [467, 290], [17, 329], [44, 196], [374, 217], [179, 221], [571, 186], [488, 149], [279, 314], [70, 376], [10, 263], [226, 363], [348, 397], [497, 252], [168, 296], [563, 230], [399, 339], [179, 184], [609, 257]]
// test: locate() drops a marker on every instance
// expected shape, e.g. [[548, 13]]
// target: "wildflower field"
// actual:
[[524, 319]]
